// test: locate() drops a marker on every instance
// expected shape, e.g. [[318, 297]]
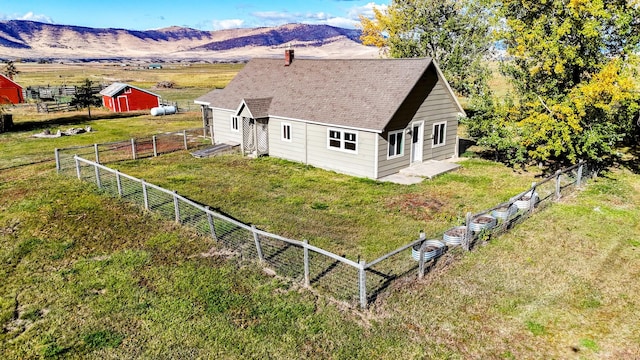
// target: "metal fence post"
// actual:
[[467, 232], [256, 239], [95, 149], [98, 182], [580, 168], [133, 148], [558, 174], [145, 195], [532, 201], [119, 183], [212, 226], [77, 167], [421, 258], [176, 205], [155, 146], [56, 153], [307, 273], [362, 284], [184, 135]]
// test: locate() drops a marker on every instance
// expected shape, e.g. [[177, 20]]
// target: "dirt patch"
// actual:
[[417, 206]]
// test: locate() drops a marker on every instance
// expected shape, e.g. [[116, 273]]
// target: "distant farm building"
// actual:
[[121, 97], [10, 91], [155, 67]]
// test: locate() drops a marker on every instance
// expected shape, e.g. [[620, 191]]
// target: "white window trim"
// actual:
[[434, 135], [231, 120], [401, 137], [282, 127], [342, 140]]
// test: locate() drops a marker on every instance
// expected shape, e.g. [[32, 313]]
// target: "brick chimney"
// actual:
[[288, 56]]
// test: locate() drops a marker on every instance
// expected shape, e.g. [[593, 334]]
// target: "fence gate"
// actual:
[[255, 136]]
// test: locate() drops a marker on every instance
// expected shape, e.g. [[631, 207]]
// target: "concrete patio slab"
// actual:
[[418, 172]]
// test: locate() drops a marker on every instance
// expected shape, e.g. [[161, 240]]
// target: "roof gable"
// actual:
[[117, 88], [363, 93], [11, 81]]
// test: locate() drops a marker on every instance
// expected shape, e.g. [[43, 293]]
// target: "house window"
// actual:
[[439, 134], [235, 123], [342, 140], [286, 132], [396, 144]]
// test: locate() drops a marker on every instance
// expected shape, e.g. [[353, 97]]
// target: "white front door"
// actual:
[[417, 142]]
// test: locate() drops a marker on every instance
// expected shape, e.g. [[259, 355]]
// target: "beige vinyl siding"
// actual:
[[357, 164], [293, 150], [222, 127]]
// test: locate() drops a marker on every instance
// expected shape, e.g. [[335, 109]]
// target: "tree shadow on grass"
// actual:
[[631, 160], [68, 120]]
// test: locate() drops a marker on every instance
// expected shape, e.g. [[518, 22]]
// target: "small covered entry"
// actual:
[[253, 114]]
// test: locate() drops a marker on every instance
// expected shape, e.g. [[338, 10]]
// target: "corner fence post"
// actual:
[[466, 241], [362, 284], [558, 175], [580, 169], [75, 157], [176, 206], [212, 226], [256, 239], [95, 149], [421, 258], [155, 146], [119, 183], [133, 148], [184, 135], [145, 195], [307, 276], [56, 153]]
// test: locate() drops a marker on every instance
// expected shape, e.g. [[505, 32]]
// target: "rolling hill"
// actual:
[[34, 40]]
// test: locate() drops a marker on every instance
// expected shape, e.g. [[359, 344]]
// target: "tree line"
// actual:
[[571, 65]]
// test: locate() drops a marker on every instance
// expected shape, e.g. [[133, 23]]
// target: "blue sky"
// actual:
[[197, 14]]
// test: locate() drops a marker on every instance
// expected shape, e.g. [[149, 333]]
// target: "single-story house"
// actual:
[[10, 91], [154, 67], [367, 117], [121, 97]]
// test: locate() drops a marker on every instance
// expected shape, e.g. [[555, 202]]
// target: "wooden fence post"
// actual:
[[119, 183], [421, 258], [133, 148], [212, 225], [362, 284], [77, 167], [467, 232], [145, 195], [184, 135], [307, 276], [95, 149], [558, 175], [98, 182], [256, 239], [155, 146], [56, 153], [176, 206]]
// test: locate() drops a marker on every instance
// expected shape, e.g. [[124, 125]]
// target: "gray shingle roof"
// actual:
[[116, 88], [362, 94]]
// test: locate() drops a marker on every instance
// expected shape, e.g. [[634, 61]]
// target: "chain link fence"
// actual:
[[355, 282]]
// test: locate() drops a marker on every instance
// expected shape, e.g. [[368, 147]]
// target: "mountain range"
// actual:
[[29, 40]]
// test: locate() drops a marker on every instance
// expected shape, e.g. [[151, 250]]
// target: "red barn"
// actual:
[[10, 91], [121, 97]]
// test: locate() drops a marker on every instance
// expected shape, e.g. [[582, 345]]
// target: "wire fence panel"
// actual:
[[193, 217], [132, 191], [287, 259], [333, 277], [161, 202], [237, 238], [116, 151]]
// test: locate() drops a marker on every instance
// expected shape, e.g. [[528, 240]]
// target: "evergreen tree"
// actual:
[[85, 97]]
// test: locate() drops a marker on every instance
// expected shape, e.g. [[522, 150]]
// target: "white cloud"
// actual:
[[227, 24], [365, 10], [28, 16]]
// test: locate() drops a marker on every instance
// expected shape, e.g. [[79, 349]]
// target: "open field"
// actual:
[[87, 276]]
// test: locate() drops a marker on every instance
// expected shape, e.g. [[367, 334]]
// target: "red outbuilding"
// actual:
[[10, 91], [121, 97]]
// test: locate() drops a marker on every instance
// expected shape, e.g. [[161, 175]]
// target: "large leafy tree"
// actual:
[[86, 97], [572, 65], [454, 33]]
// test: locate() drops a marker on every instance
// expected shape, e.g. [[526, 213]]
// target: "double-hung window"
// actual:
[[396, 144], [235, 123], [439, 134], [342, 140], [286, 132]]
